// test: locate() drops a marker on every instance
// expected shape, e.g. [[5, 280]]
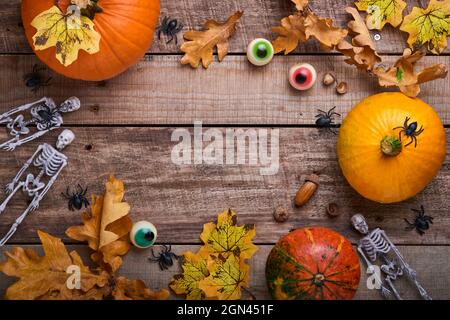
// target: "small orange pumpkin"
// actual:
[[125, 29], [382, 150]]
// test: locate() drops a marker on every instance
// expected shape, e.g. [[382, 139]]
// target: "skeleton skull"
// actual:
[[64, 139], [71, 104], [360, 224]]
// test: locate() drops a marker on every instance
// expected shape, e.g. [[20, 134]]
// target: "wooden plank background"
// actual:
[[125, 125]]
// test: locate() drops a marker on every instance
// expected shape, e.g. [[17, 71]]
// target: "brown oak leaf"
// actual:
[[402, 73], [290, 33], [126, 289], [200, 44], [361, 52], [106, 227], [45, 277], [322, 29]]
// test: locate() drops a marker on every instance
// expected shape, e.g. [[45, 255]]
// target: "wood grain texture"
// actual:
[[161, 91], [180, 199], [434, 277], [259, 18]]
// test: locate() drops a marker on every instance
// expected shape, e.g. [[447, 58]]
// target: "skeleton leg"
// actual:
[[25, 107], [14, 143], [10, 187], [409, 272], [11, 194], [18, 222]]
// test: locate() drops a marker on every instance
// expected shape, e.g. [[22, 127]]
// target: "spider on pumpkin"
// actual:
[[410, 131], [169, 28]]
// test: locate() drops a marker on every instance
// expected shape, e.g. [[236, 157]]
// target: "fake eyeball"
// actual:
[[260, 52], [302, 76], [143, 234]]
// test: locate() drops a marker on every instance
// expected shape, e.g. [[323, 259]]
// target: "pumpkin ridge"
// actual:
[[291, 260]]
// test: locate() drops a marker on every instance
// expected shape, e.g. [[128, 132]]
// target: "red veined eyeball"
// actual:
[[302, 76]]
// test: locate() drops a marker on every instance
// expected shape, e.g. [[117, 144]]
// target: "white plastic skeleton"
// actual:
[[376, 245], [50, 162], [44, 114]]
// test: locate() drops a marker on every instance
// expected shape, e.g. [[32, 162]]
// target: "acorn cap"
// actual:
[[314, 178]]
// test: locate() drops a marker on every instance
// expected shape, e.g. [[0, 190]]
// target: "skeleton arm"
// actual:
[[10, 186], [24, 107], [14, 143]]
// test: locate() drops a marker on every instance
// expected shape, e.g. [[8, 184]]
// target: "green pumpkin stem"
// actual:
[[391, 146]]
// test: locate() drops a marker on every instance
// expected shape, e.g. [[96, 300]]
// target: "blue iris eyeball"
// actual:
[[260, 52], [143, 234]]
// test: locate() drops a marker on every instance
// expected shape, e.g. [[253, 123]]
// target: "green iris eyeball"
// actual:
[[260, 52], [143, 234]]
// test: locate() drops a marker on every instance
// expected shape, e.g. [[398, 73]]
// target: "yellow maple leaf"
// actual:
[[46, 277], [107, 226], [194, 270], [227, 277], [381, 12], [429, 26], [300, 4], [200, 44], [68, 33], [225, 237]]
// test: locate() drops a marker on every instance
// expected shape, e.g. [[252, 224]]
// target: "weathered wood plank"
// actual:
[[180, 199], [161, 91], [259, 18], [433, 276]]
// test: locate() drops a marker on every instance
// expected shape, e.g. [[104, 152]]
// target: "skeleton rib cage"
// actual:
[[50, 160], [375, 243]]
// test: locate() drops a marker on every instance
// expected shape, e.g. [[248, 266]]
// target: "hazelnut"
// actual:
[[329, 78], [341, 88], [307, 190], [333, 210], [281, 214]]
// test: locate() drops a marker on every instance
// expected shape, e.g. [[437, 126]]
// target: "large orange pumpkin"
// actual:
[[313, 264], [126, 28], [376, 158]]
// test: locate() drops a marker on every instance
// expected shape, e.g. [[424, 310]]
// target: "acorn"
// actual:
[[329, 78], [307, 190], [341, 88]]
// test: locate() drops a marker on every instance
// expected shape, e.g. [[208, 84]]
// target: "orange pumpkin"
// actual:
[[126, 29], [382, 151], [313, 264]]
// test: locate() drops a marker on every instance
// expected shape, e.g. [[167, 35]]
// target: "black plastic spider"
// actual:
[[165, 258], [410, 131], [35, 79], [325, 119], [421, 222], [169, 28], [76, 199]]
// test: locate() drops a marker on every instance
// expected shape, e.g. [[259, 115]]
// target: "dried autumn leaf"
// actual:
[[68, 33], [45, 277], [227, 277], [380, 12], [107, 227], [290, 33], [322, 29], [402, 73], [225, 237], [126, 289], [194, 270], [300, 28], [200, 44], [300, 4], [361, 52], [429, 26]]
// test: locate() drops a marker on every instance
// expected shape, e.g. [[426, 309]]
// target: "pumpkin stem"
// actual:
[[391, 146]]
